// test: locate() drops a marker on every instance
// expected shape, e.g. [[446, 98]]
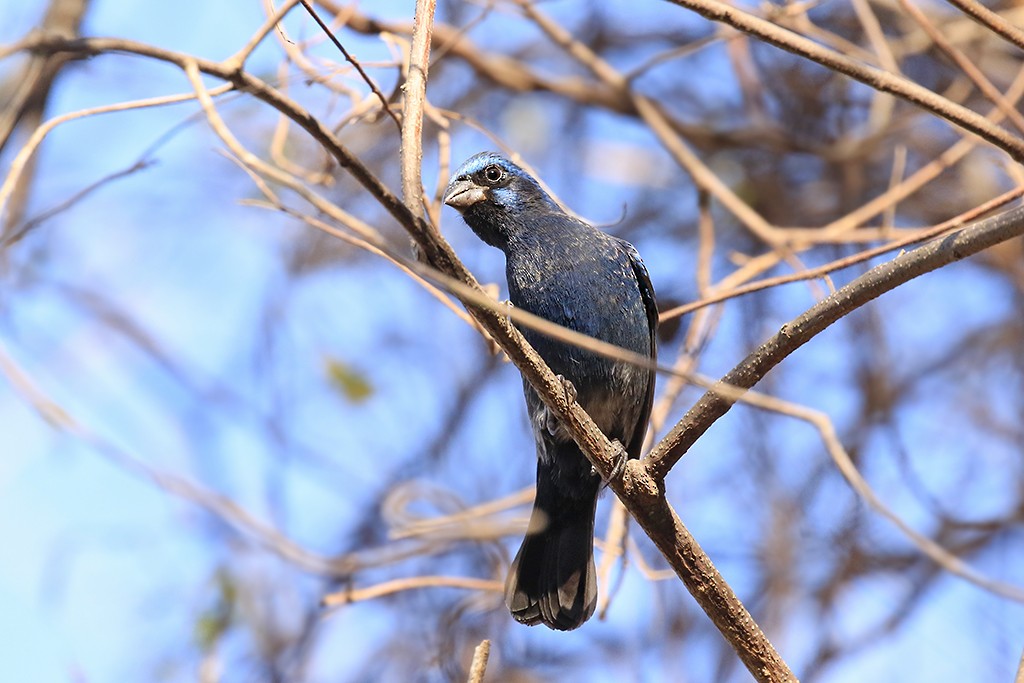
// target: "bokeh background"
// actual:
[[212, 415]]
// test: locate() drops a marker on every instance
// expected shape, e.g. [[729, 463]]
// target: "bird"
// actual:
[[570, 273]]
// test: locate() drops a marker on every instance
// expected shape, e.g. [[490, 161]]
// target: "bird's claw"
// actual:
[[417, 252], [569, 388], [551, 422], [619, 464]]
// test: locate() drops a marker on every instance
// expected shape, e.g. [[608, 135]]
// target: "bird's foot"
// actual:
[[417, 252], [619, 465], [551, 421], [569, 388]]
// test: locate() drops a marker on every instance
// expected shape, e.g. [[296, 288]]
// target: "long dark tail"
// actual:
[[553, 580]]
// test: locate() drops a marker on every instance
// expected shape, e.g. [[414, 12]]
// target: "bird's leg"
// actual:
[[551, 421], [620, 458]]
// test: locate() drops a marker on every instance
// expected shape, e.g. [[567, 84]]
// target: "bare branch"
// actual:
[[354, 62], [860, 257], [802, 329], [412, 112], [874, 77], [346, 597], [826, 430], [479, 666], [965, 65], [990, 20]]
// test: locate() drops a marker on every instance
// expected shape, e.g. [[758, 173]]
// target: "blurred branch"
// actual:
[[922, 176], [796, 333], [614, 550], [957, 57], [823, 424], [26, 153], [347, 597], [651, 113], [351, 60], [220, 506], [992, 21], [240, 57], [19, 231], [514, 75], [33, 86], [878, 79], [881, 103], [808, 274]]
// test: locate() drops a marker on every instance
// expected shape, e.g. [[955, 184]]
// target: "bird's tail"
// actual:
[[553, 580]]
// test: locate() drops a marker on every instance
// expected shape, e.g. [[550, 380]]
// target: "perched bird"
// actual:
[[570, 273]]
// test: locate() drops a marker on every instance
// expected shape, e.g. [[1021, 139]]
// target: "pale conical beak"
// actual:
[[463, 193]]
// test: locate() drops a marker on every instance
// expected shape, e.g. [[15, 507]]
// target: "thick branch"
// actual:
[[802, 329]]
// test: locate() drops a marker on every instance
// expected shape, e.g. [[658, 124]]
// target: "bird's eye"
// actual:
[[493, 173]]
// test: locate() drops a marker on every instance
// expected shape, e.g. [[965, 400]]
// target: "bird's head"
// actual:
[[495, 196]]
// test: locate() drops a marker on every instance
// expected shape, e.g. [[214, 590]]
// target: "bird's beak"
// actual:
[[463, 193]]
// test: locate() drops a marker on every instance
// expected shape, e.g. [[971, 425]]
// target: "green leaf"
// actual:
[[353, 384], [215, 621]]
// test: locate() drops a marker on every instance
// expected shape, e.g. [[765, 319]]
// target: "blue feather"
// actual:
[[568, 272]]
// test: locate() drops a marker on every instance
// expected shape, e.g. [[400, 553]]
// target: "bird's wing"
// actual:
[[643, 281]]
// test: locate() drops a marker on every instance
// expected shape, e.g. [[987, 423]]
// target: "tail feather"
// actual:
[[553, 579]]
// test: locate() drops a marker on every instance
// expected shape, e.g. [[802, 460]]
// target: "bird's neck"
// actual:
[[503, 227]]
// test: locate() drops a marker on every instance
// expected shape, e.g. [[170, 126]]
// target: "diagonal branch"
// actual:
[[990, 20], [802, 329], [354, 62], [878, 79]]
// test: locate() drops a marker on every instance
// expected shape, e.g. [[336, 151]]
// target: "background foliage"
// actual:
[[215, 414]]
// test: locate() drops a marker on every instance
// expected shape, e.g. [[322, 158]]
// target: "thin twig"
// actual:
[[354, 62], [658, 122], [347, 597], [26, 152], [853, 259], [805, 327], [966, 65], [990, 20], [826, 430], [876, 78], [240, 57], [30, 224]]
